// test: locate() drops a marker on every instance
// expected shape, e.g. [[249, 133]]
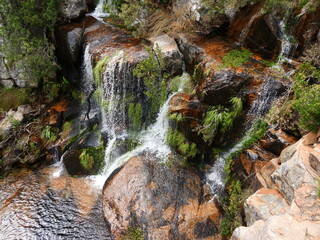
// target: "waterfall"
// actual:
[[287, 47], [99, 10], [268, 93]]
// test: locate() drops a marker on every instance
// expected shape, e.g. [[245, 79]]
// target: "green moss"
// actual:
[[13, 97], [177, 117], [236, 58], [133, 233], [177, 140], [67, 126], [135, 114], [92, 159], [99, 69]]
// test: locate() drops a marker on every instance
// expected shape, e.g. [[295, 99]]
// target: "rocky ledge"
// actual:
[[288, 206]]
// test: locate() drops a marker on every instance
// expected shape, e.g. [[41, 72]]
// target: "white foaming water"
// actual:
[[153, 142], [287, 47], [216, 176], [99, 10]]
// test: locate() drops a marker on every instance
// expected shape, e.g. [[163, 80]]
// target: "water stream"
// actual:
[[267, 94]]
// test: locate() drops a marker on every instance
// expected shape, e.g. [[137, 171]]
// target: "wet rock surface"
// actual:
[[39, 206], [69, 40], [166, 203], [71, 9]]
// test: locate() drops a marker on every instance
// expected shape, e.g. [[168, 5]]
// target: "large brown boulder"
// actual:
[[164, 202]]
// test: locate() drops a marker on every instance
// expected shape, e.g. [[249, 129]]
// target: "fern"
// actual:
[[220, 120]]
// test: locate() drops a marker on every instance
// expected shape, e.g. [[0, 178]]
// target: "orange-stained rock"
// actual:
[[291, 209], [166, 203], [187, 105], [263, 204], [277, 140]]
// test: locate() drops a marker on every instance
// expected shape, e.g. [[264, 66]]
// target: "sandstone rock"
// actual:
[[172, 56], [282, 227], [306, 204], [187, 105], [296, 181], [263, 204], [71, 9], [69, 38], [164, 202], [248, 233], [296, 171]]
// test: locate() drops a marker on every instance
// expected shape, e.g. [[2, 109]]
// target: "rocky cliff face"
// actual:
[[287, 207], [167, 200]]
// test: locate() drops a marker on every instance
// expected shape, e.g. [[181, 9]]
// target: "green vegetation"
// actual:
[[318, 189], [91, 159], [67, 126], [24, 25], [233, 203], [307, 97], [49, 134], [133, 233], [135, 114], [153, 72], [13, 97], [98, 71], [236, 58], [220, 120], [177, 117], [178, 141]]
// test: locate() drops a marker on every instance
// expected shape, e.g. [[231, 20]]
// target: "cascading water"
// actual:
[[287, 47], [268, 93], [99, 10]]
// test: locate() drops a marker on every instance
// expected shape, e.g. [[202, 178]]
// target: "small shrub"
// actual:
[[233, 203], [307, 97], [236, 58], [49, 134], [23, 29], [13, 97], [153, 72], [219, 120]]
